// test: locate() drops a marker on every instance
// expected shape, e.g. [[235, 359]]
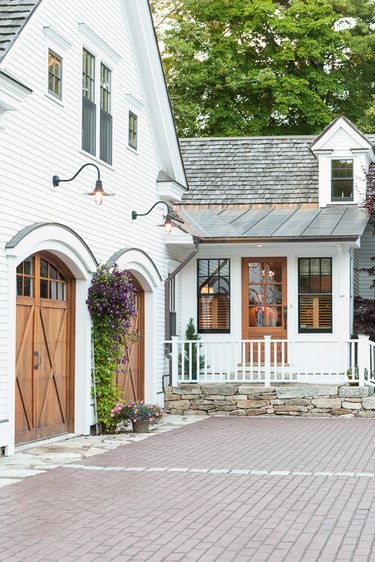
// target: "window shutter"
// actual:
[[88, 126], [105, 136]]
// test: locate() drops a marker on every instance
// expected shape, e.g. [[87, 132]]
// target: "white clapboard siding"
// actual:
[[42, 138], [366, 252]]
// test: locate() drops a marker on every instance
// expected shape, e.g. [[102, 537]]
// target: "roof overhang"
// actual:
[[12, 93], [261, 224]]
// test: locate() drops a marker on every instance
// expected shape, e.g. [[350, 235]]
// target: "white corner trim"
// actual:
[[89, 34], [134, 102], [58, 39]]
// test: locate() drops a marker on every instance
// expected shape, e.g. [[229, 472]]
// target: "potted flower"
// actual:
[[140, 414]]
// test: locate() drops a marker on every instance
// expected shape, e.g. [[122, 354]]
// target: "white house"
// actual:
[[80, 83], [274, 233]]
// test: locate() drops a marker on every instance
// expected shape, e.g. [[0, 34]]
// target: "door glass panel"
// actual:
[[273, 294], [255, 273], [19, 285], [27, 287], [265, 294], [44, 289], [43, 268]]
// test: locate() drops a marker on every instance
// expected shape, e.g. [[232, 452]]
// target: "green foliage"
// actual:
[[259, 67], [191, 353], [111, 305]]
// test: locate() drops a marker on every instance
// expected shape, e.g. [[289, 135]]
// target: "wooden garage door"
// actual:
[[44, 374], [130, 379]]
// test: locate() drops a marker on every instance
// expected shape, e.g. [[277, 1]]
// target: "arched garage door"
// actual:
[[44, 353], [130, 378]]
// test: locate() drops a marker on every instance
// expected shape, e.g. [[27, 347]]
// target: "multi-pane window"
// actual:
[[52, 283], [40, 278], [315, 294], [54, 74], [133, 130], [25, 278], [88, 103], [214, 295], [105, 115], [342, 180]]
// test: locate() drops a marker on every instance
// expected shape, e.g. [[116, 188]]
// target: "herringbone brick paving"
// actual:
[[71, 514]]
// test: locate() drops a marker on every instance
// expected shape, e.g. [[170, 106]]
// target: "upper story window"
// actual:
[[214, 295], [54, 74], [133, 130], [315, 295], [342, 180], [105, 115], [89, 108]]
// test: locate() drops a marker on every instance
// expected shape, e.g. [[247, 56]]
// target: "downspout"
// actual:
[[167, 334], [167, 283]]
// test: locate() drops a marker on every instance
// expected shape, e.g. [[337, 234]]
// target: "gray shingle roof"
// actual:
[[14, 14], [286, 223], [250, 170]]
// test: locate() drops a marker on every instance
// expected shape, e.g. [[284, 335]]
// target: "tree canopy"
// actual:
[[266, 67]]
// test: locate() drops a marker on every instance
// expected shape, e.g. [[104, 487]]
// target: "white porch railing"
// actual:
[[268, 361]]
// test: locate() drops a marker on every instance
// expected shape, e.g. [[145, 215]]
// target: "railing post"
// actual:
[[363, 358], [267, 360], [174, 360]]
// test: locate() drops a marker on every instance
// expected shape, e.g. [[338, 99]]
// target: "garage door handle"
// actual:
[[38, 360]]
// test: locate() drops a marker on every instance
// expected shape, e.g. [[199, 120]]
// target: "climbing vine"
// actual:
[[111, 303]]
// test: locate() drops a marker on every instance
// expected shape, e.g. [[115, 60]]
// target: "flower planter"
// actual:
[[140, 426]]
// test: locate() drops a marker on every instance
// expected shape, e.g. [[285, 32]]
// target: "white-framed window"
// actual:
[[315, 295], [133, 130], [342, 180], [54, 74], [57, 61], [94, 86]]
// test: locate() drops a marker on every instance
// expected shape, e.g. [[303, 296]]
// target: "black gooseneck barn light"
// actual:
[[98, 193], [168, 219]]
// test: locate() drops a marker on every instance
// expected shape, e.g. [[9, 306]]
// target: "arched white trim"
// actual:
[[58, 239], [140, 264], [75, 253]]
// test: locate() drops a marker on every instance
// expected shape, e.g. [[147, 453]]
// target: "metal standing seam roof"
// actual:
[[14, 14], [291, 223]]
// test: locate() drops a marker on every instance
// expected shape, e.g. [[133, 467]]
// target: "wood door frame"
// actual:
[[276, 332], [37, 302]]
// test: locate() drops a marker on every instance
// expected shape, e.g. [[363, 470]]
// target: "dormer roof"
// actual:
[[342, 122]]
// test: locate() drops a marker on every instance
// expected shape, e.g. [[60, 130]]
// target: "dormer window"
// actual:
[[342, 180]]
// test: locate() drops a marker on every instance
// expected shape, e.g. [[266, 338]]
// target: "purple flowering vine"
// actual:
[[111, 303]]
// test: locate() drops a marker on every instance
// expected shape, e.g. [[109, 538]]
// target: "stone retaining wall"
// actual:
[[238, 399]]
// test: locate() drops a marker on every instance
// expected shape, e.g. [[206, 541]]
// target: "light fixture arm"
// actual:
[[56, 180], [135, 214]]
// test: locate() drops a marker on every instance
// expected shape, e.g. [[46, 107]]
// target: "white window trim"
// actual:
[[136, 106], [55, 42]]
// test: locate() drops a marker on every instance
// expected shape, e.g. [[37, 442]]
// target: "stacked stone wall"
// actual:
[[235, 399]]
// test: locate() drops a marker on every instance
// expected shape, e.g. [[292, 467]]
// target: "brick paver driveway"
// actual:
[[225, 489]]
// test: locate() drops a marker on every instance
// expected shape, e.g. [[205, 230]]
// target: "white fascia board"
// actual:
[[145, 48], [12, 93], [341, 124], [169, 191]]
